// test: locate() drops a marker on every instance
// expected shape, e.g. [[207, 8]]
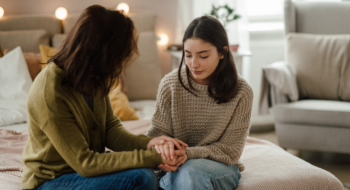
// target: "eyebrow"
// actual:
[[198, 52]]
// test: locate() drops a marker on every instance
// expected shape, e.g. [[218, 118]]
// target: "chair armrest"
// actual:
[[278, 85]]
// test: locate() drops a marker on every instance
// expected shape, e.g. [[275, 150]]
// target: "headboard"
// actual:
[[28, 31]]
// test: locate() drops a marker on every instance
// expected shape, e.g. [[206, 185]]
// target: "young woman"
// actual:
[[206, 105], [71, 120]]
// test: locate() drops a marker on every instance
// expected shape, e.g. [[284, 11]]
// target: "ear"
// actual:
[[226, 49]]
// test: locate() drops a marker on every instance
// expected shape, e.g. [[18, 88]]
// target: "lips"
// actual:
[[197, 72]]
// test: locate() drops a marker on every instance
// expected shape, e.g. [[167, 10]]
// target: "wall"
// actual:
[[165, 10]]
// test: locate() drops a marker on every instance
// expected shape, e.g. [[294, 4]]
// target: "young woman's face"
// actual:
[[201, 57]]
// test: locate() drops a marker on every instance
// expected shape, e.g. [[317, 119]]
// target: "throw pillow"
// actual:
[[15, 82], [46, 52], [120, 104], [33, 61], [318, 61]]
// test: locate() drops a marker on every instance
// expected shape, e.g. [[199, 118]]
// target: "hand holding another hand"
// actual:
[[171, 166]]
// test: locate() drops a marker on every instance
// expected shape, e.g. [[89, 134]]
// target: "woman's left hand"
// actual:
[[181, 155]]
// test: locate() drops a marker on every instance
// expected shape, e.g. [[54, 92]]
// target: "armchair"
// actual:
[[310, 92]]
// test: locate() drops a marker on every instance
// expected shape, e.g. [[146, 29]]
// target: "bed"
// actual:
[[267, 165]]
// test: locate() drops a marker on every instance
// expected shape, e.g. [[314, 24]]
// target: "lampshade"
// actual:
[[124, 7], [61, 13], [1, 12]]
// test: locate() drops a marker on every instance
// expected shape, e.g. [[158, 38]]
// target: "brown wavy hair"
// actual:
[[96, 51], [223, 83]]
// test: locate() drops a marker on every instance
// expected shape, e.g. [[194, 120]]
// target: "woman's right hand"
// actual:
[[167, 149]]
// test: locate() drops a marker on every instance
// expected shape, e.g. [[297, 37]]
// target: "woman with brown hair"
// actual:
[[207, 105], [71, 120]]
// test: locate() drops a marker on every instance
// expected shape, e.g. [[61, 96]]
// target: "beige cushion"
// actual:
[[31, 22], [29, 40], [57, 40], [317, 61], [144, 75], [143, 21], [314, 112], [344, 85]]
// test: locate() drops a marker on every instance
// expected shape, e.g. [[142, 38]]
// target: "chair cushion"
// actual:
[[318, 61], [316, 112]]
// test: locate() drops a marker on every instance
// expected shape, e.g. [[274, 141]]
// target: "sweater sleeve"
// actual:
[[67, 138], [229, 148], [161, 120], [115, 130]]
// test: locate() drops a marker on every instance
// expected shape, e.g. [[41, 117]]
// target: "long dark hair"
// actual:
[[97, 49], [223, 82]]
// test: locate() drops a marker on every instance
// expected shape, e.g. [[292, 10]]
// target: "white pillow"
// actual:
[[280, 75], [15, 83]]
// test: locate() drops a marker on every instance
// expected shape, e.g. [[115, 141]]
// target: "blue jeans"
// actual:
[[141, 178], [202, 174]]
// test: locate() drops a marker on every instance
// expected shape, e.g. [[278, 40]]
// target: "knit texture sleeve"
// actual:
[[229, 148], [161, 120]]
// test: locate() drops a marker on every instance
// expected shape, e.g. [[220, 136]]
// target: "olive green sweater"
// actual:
[[65, 136]]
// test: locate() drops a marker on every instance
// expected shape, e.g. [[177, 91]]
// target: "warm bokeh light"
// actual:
[[164, 39], [124, 7], [61, 13], [1, 12]]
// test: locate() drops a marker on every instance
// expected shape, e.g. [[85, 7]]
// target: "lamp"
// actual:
[[61, 13], [123, 7], [163, 39], [1, 12]]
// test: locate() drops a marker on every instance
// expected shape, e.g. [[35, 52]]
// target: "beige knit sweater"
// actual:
[[212, 131]]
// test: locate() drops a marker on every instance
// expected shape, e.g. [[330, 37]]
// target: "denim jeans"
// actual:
[[202, 174], [141, 178]]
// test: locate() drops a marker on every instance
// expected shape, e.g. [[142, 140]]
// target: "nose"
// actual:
[[194, 63]]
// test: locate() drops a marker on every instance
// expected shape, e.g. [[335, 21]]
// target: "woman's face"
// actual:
[[201, 57]]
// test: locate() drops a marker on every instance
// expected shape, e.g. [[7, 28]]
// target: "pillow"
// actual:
[[282, 78], [46, 53], [119, 100], [29, 40], [33, 61], [318, 61], [144, 74], [15, 82], [120, 104]]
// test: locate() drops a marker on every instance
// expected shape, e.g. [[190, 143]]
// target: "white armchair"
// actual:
[[310, 91]]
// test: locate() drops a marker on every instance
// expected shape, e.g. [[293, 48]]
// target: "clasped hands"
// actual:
[[172, 151]]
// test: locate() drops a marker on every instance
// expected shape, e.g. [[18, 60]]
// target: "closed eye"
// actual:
[[205, 57]]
